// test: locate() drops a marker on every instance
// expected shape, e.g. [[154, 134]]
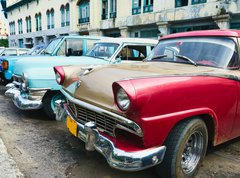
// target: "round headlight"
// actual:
[[123, 100], [58, 78]]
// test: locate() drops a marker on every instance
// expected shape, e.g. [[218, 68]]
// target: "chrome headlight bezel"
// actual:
[[123, 100], [25, 81]]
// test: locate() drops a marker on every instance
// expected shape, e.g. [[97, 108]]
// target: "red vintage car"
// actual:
[[166, 109]]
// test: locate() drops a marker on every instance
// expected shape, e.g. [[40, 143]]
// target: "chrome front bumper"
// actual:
[[21, 100], [116, 158]]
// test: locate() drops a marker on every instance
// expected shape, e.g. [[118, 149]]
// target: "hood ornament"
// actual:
[[85, 70]]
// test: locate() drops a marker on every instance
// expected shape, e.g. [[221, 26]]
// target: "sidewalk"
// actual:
[[8, 167]]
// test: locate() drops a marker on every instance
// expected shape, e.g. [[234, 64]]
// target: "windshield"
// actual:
[[35, 50], [1, 50], [102, 50], [210, 51], [52, 46]]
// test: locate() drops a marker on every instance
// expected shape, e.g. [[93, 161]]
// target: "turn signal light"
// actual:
[[5, 65]]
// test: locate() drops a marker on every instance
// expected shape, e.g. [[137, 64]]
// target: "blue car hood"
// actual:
[[42, 66], [12, 59]]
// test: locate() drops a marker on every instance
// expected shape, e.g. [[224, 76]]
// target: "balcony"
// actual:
[[113, 15], [83, 20], [147, 8], [136, 10]]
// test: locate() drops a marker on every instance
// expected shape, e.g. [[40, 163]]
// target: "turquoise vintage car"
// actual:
[[72, 45], [34, 84]]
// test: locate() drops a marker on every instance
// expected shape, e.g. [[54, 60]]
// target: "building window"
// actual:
[[180, 3], [149, 33], [67, 15], [28, 24], [136, 6], [193, 28], [52, 18], [104, 9], [38, 18], [148, 6], [20, 29], [62, 9], [12, 28], [198, 1], [48, 20], [113, 8], [84, 12]]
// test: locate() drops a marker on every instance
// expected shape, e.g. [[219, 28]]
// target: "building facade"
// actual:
[[3, 21], [38, 21]]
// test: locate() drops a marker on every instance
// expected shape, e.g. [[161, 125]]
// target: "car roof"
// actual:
[[128, 40], [17, 48], [224, 32], [84, 37]]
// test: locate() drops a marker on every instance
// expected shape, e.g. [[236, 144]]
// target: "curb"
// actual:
[[8, 167]]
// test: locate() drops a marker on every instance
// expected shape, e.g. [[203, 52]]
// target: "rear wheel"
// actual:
[[48, 103], [186, 147]]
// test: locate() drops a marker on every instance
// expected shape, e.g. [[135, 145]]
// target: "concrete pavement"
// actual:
[[8, 167]]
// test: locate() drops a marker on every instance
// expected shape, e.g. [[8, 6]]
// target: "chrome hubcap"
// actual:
[[192, 152]]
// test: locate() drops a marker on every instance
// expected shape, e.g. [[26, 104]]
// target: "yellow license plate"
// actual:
[[72, 126]]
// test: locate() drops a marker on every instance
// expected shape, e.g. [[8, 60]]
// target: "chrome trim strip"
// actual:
[[38, 89], [121, 119], [117, 158]]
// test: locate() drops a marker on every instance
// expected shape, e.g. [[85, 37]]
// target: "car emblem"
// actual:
[[78, 84]]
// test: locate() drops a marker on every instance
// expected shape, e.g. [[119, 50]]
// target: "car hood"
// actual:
[[96, 86], [44, 64]]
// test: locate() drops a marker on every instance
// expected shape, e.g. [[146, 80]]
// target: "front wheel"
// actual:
[[186, 147], [48, 103]]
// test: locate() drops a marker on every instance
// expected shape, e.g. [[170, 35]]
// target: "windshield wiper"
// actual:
[[158, 57], [186, 59]]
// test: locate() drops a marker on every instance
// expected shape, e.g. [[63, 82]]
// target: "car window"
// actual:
[[134, 52], [71, 47], [1, 51], [22, 51], [52, 46], [10, 52], [103, 50]]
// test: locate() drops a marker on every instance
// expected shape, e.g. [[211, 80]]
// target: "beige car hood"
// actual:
[[96, 86]]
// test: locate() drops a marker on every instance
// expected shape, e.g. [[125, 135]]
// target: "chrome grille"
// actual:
[[104, 123]]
